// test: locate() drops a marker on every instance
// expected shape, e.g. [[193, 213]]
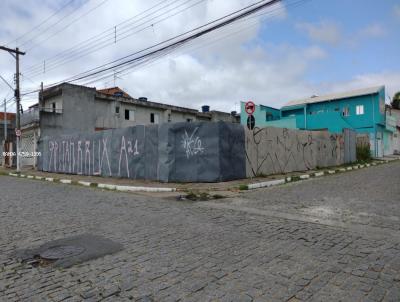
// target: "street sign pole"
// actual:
[[250, 107]]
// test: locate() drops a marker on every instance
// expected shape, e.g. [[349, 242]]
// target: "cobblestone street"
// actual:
[[335, 238]]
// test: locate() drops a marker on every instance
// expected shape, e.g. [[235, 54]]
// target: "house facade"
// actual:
[[361, 110], [7, 122], [391, 135]]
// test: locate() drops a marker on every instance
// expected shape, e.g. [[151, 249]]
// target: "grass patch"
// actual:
[[243, 187], [296, 178]]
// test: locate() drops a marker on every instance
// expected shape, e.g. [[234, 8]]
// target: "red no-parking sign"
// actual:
[[249, 107]]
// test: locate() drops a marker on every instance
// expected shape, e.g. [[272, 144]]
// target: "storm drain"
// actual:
[[69, 251], [62, 251]]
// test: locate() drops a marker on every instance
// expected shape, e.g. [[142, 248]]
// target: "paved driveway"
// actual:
[[330, 239]]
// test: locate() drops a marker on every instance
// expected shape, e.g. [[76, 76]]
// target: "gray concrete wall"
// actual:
[[184, 152], [277, 150], [75, 113], [106, 117], [191, 152]]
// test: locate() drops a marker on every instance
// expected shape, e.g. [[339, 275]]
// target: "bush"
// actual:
[[363, 153]]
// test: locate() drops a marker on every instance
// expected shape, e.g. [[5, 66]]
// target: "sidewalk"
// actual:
[[223, 188]]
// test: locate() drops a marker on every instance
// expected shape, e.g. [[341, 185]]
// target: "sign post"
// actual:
[[250, 107]]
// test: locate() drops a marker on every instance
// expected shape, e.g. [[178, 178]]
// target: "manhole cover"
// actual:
[[61, 251], [66, 252]]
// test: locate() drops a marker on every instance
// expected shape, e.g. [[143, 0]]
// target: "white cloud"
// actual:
[[396, 11], [219, 74], [327, 32], [220, 70], [315, 52], [391, 80], [375, 30]]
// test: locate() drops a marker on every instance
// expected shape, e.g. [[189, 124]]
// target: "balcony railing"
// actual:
[[50, 110], [391, 122], [30, 117]]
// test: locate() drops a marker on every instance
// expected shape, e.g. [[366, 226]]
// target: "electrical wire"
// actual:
[[195, 33], [148, 57], [111, 38], [181, 39], [221, 37], [41, 23], [66, 26]]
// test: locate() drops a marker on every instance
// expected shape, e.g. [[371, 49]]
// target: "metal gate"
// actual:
[[28, 148], [350, 141]]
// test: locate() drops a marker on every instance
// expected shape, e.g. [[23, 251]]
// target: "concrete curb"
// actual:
[[66, 181], [252, 186], [266, 184], [143, 189], [99, 185], [308, 176], [106, 186]]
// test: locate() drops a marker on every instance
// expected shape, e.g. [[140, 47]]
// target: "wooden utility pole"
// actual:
[[5, 120], [15, 53]]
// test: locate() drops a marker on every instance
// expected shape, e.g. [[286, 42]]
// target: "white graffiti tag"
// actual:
[[191, 144]]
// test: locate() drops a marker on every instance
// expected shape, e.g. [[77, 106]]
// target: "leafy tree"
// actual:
[[396, 100]]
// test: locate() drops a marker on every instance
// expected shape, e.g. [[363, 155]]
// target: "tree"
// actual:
[[396, 101]]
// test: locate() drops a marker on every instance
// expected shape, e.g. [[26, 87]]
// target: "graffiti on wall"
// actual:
[[91, 157], [192, 143], [276, 150]]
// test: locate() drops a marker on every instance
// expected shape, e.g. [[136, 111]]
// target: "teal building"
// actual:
[[362, 110]]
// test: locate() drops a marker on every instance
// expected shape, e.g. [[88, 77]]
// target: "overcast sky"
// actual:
[[296, 49]]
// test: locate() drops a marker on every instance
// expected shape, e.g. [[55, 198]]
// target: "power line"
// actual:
[[110, 31], [195, 33], [68, 25], [215, 40], [41, 23], [150, 61], [109, 39], [147, 58], [232, 17]]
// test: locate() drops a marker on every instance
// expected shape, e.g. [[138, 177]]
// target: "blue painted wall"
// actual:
[[329, 115], [262, 114]]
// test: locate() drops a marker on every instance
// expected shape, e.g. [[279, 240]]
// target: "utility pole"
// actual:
[[15, 53], [5, 120], [5, 133]]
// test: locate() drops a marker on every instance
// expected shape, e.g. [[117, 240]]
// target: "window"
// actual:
[[269, 116], [188, 120], [129, 115], [360, 109], [117, 109], [169, 117], [53, 106], [346, 111], [154, 118]]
